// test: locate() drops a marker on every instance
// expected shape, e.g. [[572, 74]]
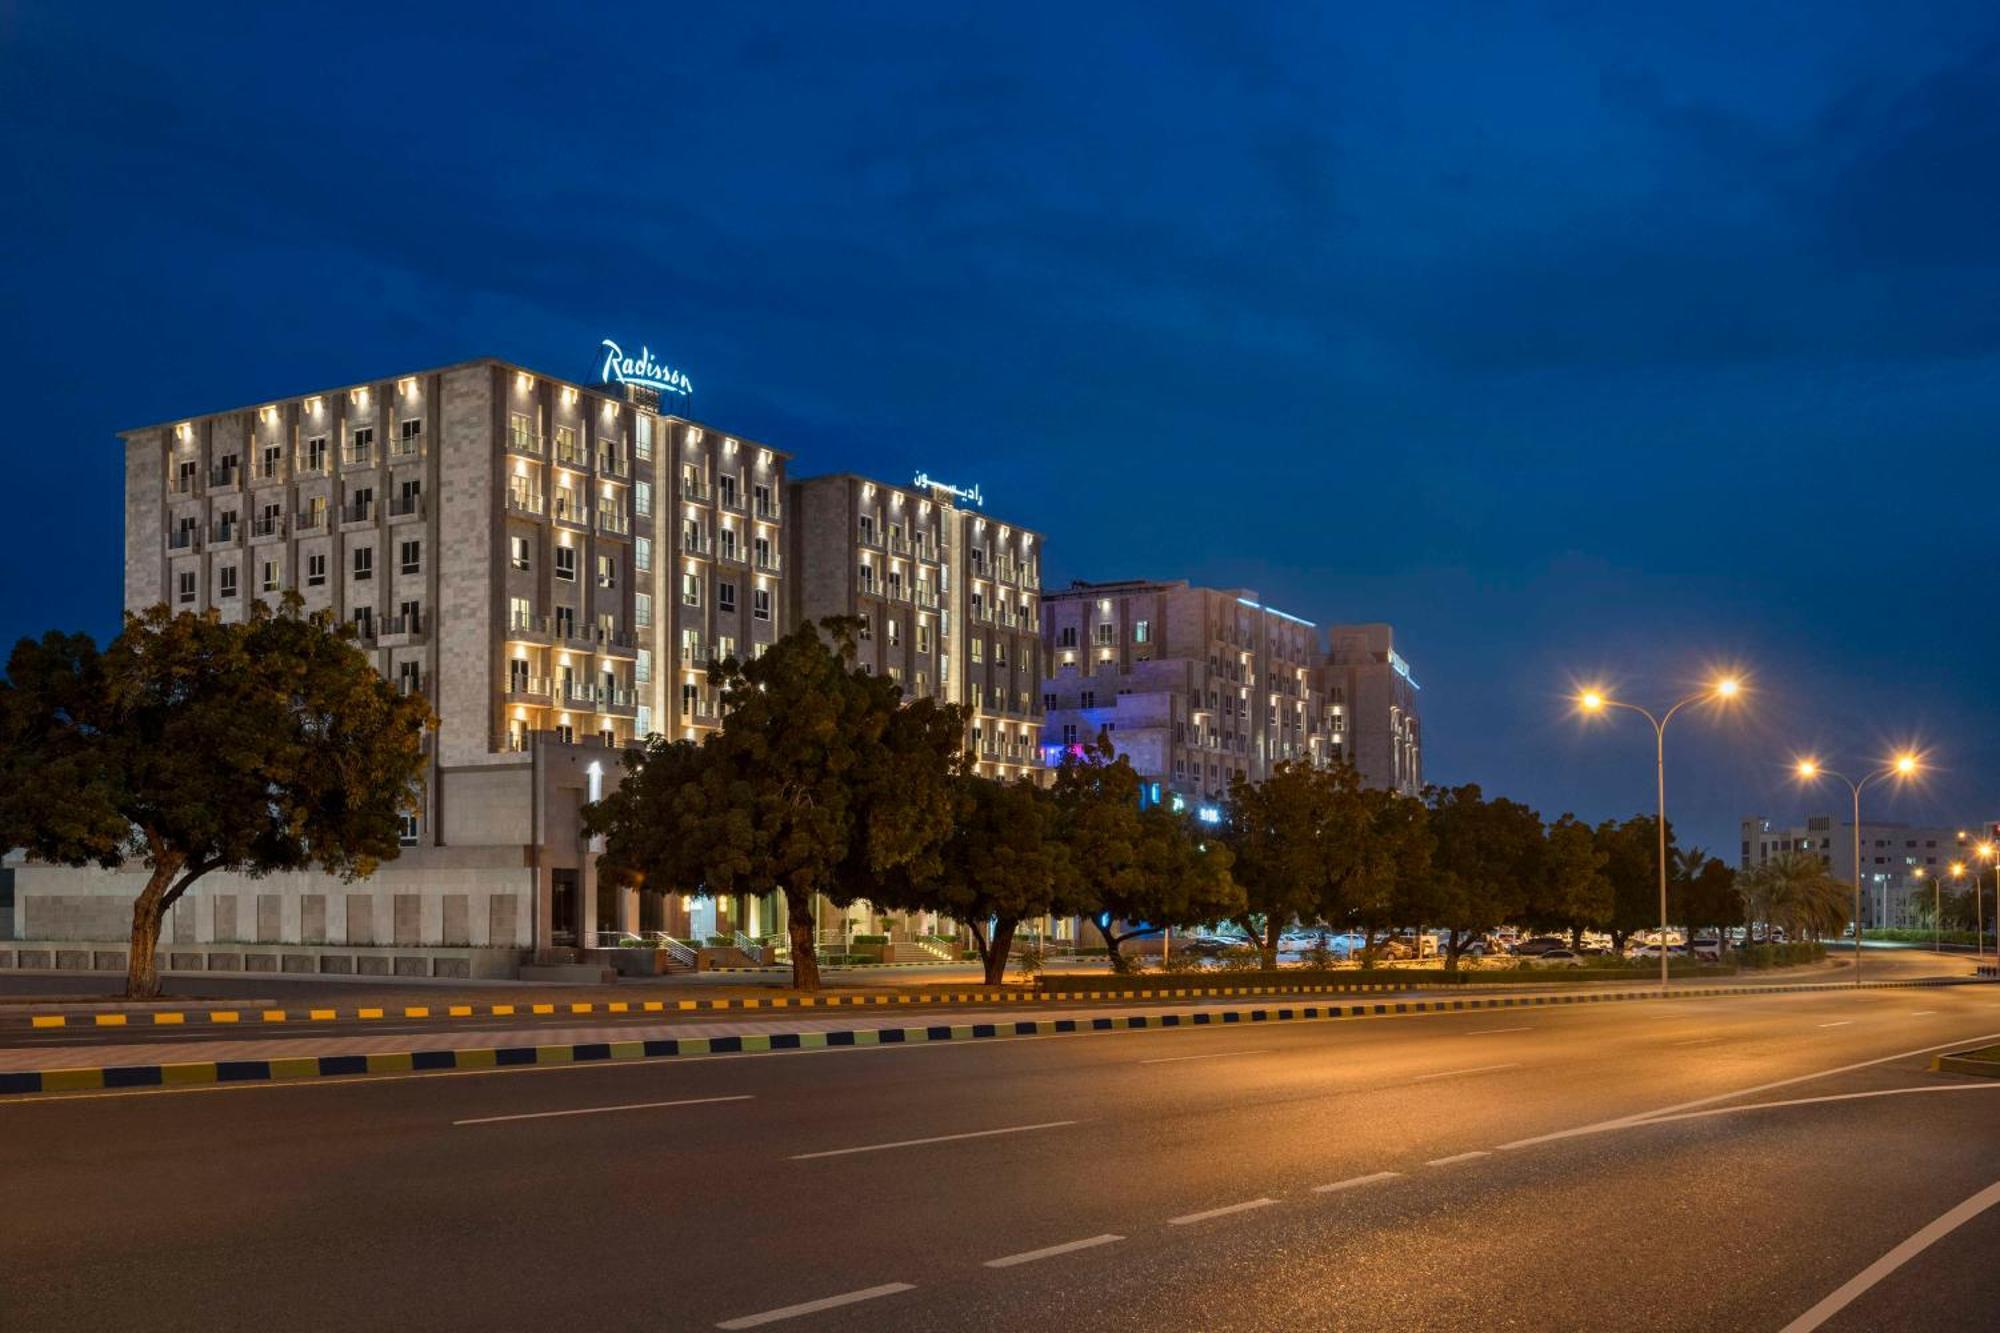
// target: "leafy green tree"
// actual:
[[1486, 858], [1002, 864], [189, 745], [1572, 894], [1702, 893], [1146, 869], [1282, 834], [1632, 865], [1795, 892], [1384, 866], [821, 781]]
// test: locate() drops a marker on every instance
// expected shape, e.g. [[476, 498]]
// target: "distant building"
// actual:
[[1371, 697], [1893, 893], [1195, 686]]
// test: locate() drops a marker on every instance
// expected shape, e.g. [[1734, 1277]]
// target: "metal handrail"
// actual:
[[751, 948]]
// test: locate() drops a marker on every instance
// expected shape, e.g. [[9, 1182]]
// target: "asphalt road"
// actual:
[[705, 1192]]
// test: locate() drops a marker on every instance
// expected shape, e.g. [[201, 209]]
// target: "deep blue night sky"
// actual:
[[1570, 342]]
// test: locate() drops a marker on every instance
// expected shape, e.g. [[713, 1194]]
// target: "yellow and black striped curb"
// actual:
[[172, 1018], [505, 1057]]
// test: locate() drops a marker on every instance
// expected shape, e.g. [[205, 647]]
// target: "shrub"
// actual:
[[869, 939]]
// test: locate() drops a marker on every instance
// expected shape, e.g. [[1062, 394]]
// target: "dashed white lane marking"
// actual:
[[939, 1138], [1698, 1041], [1355, 1181], [1185, 1218], [600, 1110], [1051, 1251], [1455, 1160], [1841, 1024], [1894, 1259], [814, 1307], [1621, 1122], [1460, 1073], [1813, 1101], [1922, 1013], [1493, 1032], [1215, 1055]]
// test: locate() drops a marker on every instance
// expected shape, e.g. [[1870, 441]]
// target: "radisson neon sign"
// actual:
[[972, 495], [643, 371]]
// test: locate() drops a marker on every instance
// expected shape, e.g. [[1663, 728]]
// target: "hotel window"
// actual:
[[411, 614], [566, 622], [519, 551], [315, 570], [411, 434], [642, 498], [364, 622], [642, 608], [1142, 631], [690, 590], [689, 692], [725, 597], [895, 628], [184, 478], [607, 627], [642, 439], [520, 613], [520, 431], [867, 530], [896, 584], [760, 550], [725, 486], [566, 563], [268, 467], [1088, 699], [868, 580], [517, 676], [185, 583], [1048, 703], [642, 669], [316, 454], [642, 552], [413, 557], [407, 834], [725, 646], [979, 648], [607, 571], [565, 733], [410, 677], [923, 638], [944, 668], [867, 627], [272, 582], [760, 603], [364, 563], [761, 499], [361, 447], [728, 539], [521, 494]]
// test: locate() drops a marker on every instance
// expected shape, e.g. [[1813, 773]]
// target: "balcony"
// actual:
[[222, 475], [529, 627], [571, 454], [617, 524], [181, 484], [696, 654], [406, 448], [267, 526], [731, 500], [311, 520], [528, 442], [611, 463], [696, 546], [577, 693], [268, 473], [406, 506], [357, 512], [398, 630], [697, 492], [364, 629], [224, 532], [899, 546], [184, 539], [573, 512], [525, 502], [617, 699], [309, 466], [767, 509], [733, 554], [766, 563], [523, 686], [617, 643], [870, 539], [358, 456], [418, 684]]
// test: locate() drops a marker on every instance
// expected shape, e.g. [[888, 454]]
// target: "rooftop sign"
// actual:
[[970, 494], [643, 371]]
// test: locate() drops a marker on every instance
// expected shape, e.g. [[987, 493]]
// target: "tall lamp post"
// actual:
[[1596, 701], [1958, 882], [1904, 766], [1987, 852]]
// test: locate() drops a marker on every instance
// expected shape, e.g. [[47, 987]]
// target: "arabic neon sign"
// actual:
[[972, 495]]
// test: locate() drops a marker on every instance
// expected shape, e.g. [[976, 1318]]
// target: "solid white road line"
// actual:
[[1186, 1218], [1621, 1122], [1922, 1013], [1490, 1032], [1813, 1101], [940, 1138], [1845, 1022], [600, 1110], [1051, 1251], [1458, 1073], [1454, 1161], [1895, 1259], [1353, 1181], [1218, 1055], [814, 1307]]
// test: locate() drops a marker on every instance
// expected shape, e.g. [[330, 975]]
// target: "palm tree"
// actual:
[[1794, 891]]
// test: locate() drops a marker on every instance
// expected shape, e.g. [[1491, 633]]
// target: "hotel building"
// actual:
[[946, 596], [1196, 686], [1371, 702], [1900, 863]]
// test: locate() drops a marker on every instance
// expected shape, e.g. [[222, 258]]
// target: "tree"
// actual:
[[1572, 894], [1384, 861], [1795, 891], [1632, 864], [1145, 869], [821, 781], [1001, 865], [190, 745], [1485, 858], [1280, 833], [1703, 893]]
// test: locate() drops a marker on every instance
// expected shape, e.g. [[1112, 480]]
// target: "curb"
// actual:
[[1964, 1064], [170, 1018], [92, 1079]]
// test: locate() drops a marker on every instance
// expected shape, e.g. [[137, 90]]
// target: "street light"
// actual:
[[1936, 885], [1958, 880], [1903, 766], [1595, 701], [1987, 851]]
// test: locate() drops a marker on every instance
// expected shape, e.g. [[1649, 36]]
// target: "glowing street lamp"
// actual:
[[1987, 852], [1595, 701], [1902, 766]]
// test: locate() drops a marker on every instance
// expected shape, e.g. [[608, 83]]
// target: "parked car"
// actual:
[[1564, 957], [1708, 949], [1538, 946]]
